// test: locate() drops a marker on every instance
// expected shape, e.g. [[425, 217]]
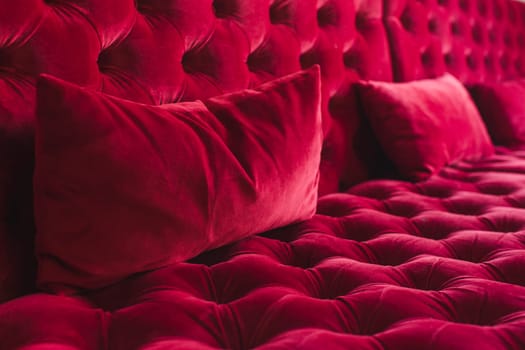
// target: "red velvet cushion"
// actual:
[[424, 125], [122, 187], [503, 109]]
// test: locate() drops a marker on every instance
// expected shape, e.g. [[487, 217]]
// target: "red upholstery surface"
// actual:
[[161, 51], [476, 40], [122, 187], [503, 109], [388, 265]]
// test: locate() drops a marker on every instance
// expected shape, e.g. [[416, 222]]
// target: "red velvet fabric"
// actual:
[[503, 109], [476, 41], [156, 51], [47, 322], [426, 124], [388, 264], [122, 187]]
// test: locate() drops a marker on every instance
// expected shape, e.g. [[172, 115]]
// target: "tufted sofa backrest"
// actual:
[[161, 51], [476, 40]]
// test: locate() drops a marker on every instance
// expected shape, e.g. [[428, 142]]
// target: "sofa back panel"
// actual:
[[476, 40]]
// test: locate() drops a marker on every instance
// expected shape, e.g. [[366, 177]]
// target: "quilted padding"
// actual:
[[387, 265], [475, 40]]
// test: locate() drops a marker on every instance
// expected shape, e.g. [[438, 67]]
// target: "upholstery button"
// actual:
[[361, 21], [352, 59], [326, 16], [426, 58], [455, 28], [224, 8], [464, 5], [518, 65], [255, 60], [477, 34], [433, 26], [277, 15], [498, 12], [512, 16], [188, 61], [472, 62], [507, 39], [407, 21], [489, 63], [492, 36], [482, 8], [443, 2], [448, 59]]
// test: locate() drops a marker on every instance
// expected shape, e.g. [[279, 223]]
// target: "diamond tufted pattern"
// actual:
[[386, 265], [476, 40]]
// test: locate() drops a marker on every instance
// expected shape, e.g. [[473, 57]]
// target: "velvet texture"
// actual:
[[503, 110], [424, 125], [122, 187], [475, 40], [159, 52], [387, 265]]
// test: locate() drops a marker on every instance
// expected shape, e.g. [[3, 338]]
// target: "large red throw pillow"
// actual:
[[502, 106], [424, 125], [122, 187]]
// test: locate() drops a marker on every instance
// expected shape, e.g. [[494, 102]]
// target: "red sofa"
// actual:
[[383, 264]]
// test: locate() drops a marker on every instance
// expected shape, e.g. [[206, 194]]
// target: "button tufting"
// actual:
[[455, 28], [361, 21], [498, 12], [512, 16], [407, 21], [493, 38], [426, 57], [482, 8], [477, 33], [327, 15], [352, 59], [433, 26], [507, 39], [518, 65], [489, 62], [443, 2], [278, 14], [225, 8], [464, 5], [521, 40], [448, 59]]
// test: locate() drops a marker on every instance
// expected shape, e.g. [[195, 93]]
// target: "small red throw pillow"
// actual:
[[122, 187], [502, 106], [424, 125]]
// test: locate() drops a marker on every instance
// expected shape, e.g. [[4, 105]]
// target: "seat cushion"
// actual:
[[386, 265], [424, 125], [389, 264], [122, 187]]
